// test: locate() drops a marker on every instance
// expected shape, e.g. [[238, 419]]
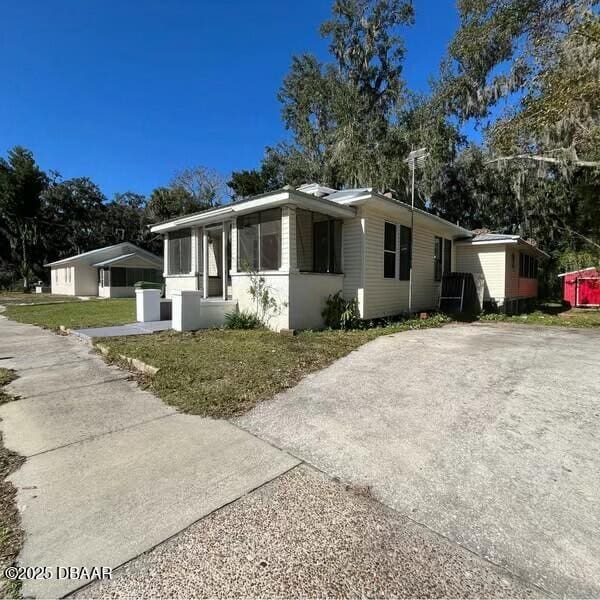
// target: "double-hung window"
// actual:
[[405, 252], [180, 252], [389, 250], [259, 241]]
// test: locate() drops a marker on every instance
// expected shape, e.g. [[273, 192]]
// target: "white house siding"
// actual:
[[352, 260], [487, 259], [388, 296], [181, 282], [426, 291], [308, 293], [63, 280]]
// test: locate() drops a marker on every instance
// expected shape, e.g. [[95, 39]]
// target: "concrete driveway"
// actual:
[[486, 434], [111, 471]]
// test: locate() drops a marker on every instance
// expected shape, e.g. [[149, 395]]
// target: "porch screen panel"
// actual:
[[321, 246], [304, 240], [327, 245], [180, 252], [118, 277], [336, 249], [247, 230], [270, 239]]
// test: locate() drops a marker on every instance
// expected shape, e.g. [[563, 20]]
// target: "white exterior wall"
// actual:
[[307, 295], [62, 280], [389, 296], [278, 283], [352, 259], [181, 282], [491, 261]]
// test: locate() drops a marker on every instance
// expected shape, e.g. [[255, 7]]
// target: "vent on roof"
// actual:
[[316, 190]]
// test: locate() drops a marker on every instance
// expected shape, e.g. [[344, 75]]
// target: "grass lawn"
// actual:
[[75, 315], [222, 373], [577, 317], [8, 298], [11, 535]]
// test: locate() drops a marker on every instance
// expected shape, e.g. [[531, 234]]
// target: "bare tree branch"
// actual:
[[546, 159]]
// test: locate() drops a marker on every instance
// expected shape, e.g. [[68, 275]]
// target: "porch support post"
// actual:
[[289, 258], [224, 258], [204, 263], [166, 255]]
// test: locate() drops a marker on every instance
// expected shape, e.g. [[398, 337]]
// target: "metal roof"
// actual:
[[342, 199], [579, 271], [111, 261], [106, 253], [493, 237]]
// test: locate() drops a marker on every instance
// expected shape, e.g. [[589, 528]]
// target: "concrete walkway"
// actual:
[[486, 434], [128, 329], [111, 471]]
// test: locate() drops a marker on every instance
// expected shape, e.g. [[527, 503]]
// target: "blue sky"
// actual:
[[128, 92]]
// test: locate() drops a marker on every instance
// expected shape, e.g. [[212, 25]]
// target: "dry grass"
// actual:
[[222, 373], [11, 535]]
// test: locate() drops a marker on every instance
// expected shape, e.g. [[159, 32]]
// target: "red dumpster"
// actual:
[[582, 287]]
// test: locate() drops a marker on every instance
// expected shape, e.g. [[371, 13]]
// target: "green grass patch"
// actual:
[[75, 315], [11, 534], [580, 318], [223, 373], [8, 298]]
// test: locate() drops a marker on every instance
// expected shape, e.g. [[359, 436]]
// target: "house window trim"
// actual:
[[170, 273]]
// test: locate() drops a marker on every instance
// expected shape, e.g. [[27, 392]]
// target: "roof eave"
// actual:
[[261, 202], [398, 203]]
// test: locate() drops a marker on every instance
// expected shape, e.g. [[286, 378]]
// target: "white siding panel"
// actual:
[[386, 296], [489, 260], [352, 258]]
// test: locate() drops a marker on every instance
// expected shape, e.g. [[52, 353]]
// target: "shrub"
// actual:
[[242, 320], [341, 314]]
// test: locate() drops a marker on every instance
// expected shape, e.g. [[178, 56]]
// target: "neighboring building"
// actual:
[[509, 265], [310, 242], [582, 288], [109, 272]]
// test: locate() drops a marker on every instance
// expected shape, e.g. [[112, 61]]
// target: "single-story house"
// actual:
[[509, 265], [109, 272], [310, 242], [581, 288]]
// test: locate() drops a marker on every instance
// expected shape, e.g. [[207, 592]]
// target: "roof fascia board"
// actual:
[[579, 271], [273, 200], [403, 206]]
